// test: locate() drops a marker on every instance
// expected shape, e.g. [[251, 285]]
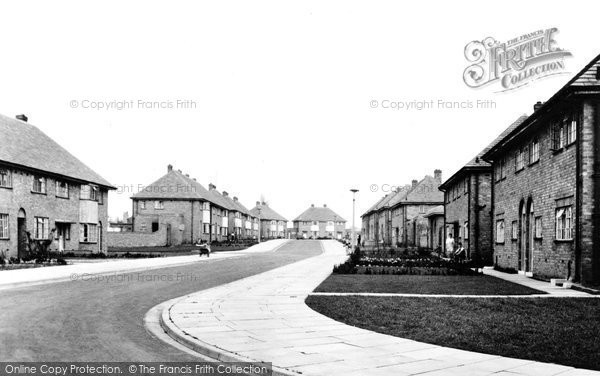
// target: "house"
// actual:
[[409, 226], [47, 192], [240, 219], [317, 222], [468, 204], [272, 224], [435, 227], [371, 235], [546, 186]]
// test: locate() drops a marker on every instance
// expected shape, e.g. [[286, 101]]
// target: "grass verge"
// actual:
[[423, 284], [555, 330]]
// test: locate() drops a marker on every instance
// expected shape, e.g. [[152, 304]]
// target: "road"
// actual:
[[103, 320]]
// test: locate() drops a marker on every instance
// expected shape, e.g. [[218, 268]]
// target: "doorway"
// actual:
[[526, 219], [63, 231], [22, 234]]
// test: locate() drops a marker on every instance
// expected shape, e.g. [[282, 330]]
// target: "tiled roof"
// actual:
[[584, 80], [217, 198], [174, 185], [25, 145], [235, 205], [267, 213], [399, 195], [323, 214], [478, 161], [242, 208], [425, 191], [436, 210], [377, 204]]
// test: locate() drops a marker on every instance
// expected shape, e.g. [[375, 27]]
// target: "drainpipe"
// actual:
[[192, 226], [469, 208], [475, 227]]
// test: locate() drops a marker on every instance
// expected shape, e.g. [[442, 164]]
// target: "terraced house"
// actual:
[[397, 219], [185, 211], [317, 222], [468, 204], [46, 192], [272, 224], [546, 190]]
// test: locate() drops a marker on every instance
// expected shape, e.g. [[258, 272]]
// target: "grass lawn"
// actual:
[[557, 330], [423, 284]]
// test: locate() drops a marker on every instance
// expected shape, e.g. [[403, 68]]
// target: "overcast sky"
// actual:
[[282, 89]]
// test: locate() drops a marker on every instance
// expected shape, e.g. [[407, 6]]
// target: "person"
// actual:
[[449, 245], [460, 253]]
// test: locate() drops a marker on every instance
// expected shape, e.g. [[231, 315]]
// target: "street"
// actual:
[[101, 319]]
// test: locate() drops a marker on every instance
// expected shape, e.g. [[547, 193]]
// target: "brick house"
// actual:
[[272, 224], [317, 222], [187, 210], [46, 191], [546, 190], [240, 219], [409, 225], [370, 222], [468, 204], [435, 224]]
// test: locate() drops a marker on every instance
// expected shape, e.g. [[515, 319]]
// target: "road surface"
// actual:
[[102, 320]]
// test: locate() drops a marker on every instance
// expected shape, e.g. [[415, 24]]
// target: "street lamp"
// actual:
[[259, 220], [353, 190]]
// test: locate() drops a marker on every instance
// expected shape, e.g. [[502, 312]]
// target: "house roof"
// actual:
[[25, 145], [399, 195], [587, 80], [478, 162], [426, 191], [175, 186], [435, 211], [218, 199], [323, 214], [266, 213], [242, 208], [377, 204], [235, 205]]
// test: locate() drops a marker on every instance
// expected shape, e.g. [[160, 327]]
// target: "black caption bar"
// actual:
[[134, 369]]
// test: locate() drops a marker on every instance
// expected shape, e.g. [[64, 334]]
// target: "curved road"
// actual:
[[103, 321]]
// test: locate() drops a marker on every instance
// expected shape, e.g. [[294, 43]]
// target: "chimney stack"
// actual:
[[312, 205], [437, 174], [187, 175], [194, 179], [257, 203], [414, 183], [235, 198], [211, 187], [169, 168], [179, 171], [264, 203], [22, 117], [324, 205], [225, 194], [537, 106]]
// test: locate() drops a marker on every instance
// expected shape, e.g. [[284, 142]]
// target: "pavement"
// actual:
[[53, 274], [264, 318], [555, 291]]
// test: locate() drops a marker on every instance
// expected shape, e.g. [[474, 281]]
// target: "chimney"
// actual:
[[179, 171], [211, 187], [414, 183], [312, 205], [324, 205], [235, 198], [169, 168], [22, 117], [537, 106], [187, 175], [264, 203], [437, 174], [194, 179], [225, 194], [257, 203]]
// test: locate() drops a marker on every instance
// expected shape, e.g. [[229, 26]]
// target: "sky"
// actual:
[[272, 99]]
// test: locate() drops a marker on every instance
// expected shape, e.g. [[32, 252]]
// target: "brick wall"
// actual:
[[137, 239]]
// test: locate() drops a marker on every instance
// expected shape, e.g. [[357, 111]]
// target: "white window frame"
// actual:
[[44, 222], [62, 192], [159, 205], [5, 178], [4, 229], [500, 229], [534, 151], [41, 186], [564, 223], [88, 233]]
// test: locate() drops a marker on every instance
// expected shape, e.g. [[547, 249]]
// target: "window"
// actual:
[[62, 189], [534, 152], [143, 205], [500, 231], [89, 192], [570, 130], [100, 197], [564, 223], [159, 205], [205, 205], [224, 231], [514, 230], [225, 213], [88, 233], [3, 226], [39, 184], [206, 228], [41, 228], [519, 162], [501, 169], [466, 232], [5, 178], [422, 209], [538, 227], [466, 185]]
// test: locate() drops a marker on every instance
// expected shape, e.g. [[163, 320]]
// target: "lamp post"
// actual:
[[259, 224], [353, 190]]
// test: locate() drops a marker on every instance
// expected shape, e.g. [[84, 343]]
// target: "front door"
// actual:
[[21, 238], [526, 238]]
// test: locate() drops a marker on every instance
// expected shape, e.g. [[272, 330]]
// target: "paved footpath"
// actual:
[[264, 318], [49, 274]]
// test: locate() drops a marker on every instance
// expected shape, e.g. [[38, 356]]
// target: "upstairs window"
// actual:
[[519, 161], [205, 205], [159, 205], [5, 178], [534, 151], [39, 184], [89, 192], [564, 132], [62, 189], [142, 205]]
